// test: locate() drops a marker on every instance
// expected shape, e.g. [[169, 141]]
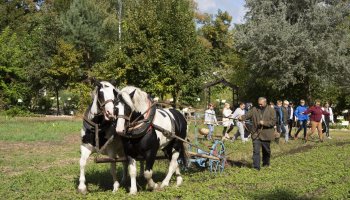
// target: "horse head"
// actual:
[[104, 97], [130, 99]]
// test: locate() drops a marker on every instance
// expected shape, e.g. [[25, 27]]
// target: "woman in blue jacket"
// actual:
[[302, 119]]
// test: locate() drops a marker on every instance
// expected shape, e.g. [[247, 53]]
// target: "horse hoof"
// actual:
[[163, 185], [82, 190], [115, 187], [133, 191], [178, 181]]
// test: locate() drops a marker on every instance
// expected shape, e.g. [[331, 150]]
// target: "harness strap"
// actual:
[[124, 117]]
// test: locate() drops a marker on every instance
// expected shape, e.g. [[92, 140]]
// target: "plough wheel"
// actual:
[[217, 150]]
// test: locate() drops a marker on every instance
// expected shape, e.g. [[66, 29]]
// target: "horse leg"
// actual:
[[132, 173], [85, 153], [172, 167], [149, 173], [125, 173], [111, 154], [114, 175], [178, 176], [142, 168]]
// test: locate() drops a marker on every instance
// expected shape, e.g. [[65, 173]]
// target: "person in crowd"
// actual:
[[284, 120], [264, 120], [240, 124], [279, 116], [227, 121], [210, 120], [272, 104], [316, 113], [291, 118], [301, 118], [327, 118]]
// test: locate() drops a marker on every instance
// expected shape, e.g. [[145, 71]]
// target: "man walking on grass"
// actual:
[[264, 120]]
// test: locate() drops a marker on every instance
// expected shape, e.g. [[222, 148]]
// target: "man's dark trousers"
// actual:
[[266, 153]]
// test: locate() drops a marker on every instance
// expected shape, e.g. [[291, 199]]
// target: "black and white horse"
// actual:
[[100, 112], [136, 112]]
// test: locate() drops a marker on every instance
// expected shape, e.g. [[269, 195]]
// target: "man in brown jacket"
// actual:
[[264, 120]]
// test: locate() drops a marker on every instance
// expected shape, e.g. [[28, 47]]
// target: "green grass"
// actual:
[[36, 129], [47, 168]]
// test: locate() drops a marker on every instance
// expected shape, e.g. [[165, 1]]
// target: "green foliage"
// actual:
[[11, 68], [292, 45], [88, 25], [158, 51], [18, 111]]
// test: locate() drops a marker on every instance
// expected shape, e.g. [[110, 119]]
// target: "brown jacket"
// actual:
[[265, 132]]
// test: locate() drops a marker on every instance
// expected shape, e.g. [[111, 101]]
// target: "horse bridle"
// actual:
[[128, 122], [102, 104]]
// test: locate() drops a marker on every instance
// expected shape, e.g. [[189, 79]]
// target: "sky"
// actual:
[[234, 7]]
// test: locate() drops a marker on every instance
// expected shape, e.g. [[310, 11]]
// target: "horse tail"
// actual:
[[181, 131]]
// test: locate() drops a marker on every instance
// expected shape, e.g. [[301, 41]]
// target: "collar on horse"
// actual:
[[139, 128]]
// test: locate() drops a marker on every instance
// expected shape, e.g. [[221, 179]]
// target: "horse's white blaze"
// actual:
[[85, 153], [172, 167], [121, 121], [132, 173], [108, 94]]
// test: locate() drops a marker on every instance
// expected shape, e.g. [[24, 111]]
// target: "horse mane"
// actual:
[[139, 100], [93, 108]]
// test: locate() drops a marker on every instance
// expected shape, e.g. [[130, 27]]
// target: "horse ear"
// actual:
[[132, 94], [96, 82], [113, 82], [116, 93]]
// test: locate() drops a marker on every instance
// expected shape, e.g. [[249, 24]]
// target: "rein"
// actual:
[[101, 105], [135, 122]]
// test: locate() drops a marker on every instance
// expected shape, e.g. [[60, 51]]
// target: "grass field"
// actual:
[[39, 160]]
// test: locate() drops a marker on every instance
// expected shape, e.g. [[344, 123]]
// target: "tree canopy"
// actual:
[[284, 49]]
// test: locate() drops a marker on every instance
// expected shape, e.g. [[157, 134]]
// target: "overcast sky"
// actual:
[[234, 7]]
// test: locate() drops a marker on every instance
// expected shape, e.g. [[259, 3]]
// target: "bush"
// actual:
[[18, 112]]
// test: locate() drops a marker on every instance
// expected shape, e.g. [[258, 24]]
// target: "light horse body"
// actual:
[[100, 112], [135, 105]]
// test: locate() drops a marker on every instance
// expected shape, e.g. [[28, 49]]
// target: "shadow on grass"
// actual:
[[300, 149], [279, 193], [104, 182], [308, 147], [239, 163]]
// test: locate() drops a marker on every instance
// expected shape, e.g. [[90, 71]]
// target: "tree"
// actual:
[[12, 72], [291, 45], [88, 25], [64, 69], [159, 50]]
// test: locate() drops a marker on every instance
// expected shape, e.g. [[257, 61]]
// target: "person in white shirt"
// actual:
[[291, 118], [327, 119], [210, 120], [240, 124], [227, 121]]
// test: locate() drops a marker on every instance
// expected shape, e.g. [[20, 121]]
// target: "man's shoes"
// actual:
[[329, 137], [266, 166]]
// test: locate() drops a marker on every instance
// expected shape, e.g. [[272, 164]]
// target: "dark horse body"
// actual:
[[135, 103]]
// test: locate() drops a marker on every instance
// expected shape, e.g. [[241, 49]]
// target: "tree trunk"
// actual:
[[308, 91], [57, 101]]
